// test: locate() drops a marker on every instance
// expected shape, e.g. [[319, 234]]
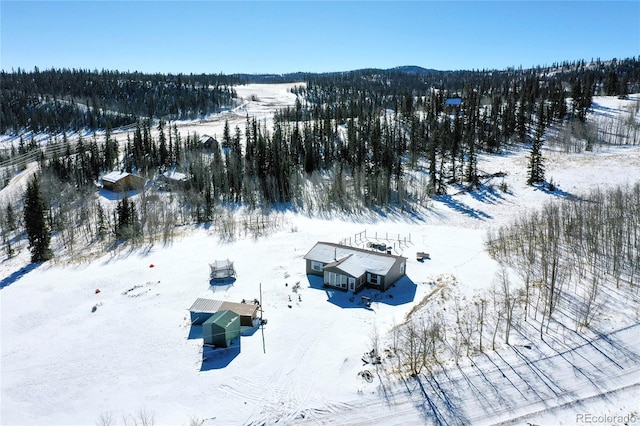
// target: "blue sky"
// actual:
[[281, 36]]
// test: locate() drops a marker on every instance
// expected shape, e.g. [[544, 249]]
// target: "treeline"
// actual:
[[377, 123], [387, 87], [366, 129], [353, 140], [58, 100], [217, 172]]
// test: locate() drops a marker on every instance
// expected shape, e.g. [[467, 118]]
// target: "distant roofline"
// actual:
[[114, 176]]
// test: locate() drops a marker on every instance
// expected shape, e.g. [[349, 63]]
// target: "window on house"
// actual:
[[316, 266], [330, 278], [373, 279]]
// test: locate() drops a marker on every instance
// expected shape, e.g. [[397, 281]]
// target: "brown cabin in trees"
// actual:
[[122, 181], [208, 142]]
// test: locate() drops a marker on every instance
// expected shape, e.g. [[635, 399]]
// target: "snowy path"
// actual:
[[18, 183]]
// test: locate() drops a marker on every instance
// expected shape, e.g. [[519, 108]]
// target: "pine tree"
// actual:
[[226, 135], [432, 150], [536, 166], [623, 91], [35, 224], [521, 119], [472, 166], [101, 227], [127, 224], [163, 151], [10, 218], [611, 84]]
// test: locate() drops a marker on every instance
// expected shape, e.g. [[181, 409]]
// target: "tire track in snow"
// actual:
[[286, 399]]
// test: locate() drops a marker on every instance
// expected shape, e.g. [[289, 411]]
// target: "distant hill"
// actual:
[[413, 69], [58, 100], [300, 76]]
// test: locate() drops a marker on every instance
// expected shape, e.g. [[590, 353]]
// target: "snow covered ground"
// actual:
[[65, 364]]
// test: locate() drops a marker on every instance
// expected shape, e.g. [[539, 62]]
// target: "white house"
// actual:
[[351, 268]]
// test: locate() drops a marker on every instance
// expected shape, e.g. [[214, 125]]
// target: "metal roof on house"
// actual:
[[352, 260], [206, 305], [212, 306]]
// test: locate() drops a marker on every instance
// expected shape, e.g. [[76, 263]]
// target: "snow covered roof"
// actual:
[[114, 177], [205, 138], [352, 260], [174, 175]]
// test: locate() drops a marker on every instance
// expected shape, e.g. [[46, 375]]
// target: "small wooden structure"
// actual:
[[208, 142], [122, 181]]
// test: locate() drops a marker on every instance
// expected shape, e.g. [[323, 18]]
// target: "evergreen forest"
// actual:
[[352, 141]]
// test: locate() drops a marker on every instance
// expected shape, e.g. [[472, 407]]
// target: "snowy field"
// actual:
[[137, 354]]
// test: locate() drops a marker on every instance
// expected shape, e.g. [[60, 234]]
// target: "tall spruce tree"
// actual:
[[536, 164], [127, 224], [35, 222]]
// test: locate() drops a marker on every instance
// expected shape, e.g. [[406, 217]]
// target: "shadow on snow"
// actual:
[[556, 192], [117, 196], [487, 195], [461, 207], [401, 292], [217, 358], [15, 276], [195, 332], [221, 284]]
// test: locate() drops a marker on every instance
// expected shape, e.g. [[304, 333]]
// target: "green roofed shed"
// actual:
[[221, 329]]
